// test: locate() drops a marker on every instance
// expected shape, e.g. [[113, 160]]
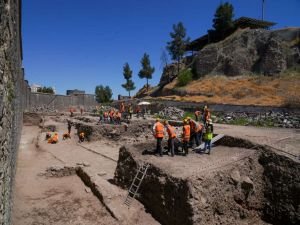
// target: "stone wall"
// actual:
[[41, 101], [11, 99]]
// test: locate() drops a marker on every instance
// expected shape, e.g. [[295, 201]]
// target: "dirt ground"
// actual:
[[39, 200], [66, 200]]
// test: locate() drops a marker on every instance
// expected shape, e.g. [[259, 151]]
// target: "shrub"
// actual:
[[184, 77]]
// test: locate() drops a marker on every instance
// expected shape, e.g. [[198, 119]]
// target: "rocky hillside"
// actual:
[[256, 67], [251, 51]]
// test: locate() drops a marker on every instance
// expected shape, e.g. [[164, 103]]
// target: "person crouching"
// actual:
[[81, 137]]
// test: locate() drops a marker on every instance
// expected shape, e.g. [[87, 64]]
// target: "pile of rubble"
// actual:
[[43, 109], [270, 119], [172, 113]]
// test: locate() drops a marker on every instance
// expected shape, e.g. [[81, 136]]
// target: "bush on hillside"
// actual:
[[184, 77]]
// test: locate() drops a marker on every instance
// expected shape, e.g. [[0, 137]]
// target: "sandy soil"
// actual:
[[66, 200], [38, 200]]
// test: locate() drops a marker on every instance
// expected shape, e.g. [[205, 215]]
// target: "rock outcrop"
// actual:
[[250, 51]]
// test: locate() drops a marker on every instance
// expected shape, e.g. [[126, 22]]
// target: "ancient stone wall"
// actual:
[[42, 101], [11, 99]]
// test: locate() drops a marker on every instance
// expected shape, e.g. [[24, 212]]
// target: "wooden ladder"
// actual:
[[136, 183]]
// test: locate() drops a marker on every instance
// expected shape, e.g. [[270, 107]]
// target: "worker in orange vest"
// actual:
[[111, 115], [206, 115], [81, 137], [172, 136], [54, 139], [158, 132], [118, 117], [122, 107], [186, 134], [196, 132]]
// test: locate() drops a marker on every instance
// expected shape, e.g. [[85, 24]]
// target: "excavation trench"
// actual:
[[239, 183]]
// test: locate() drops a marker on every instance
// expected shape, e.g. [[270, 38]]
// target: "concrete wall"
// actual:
[[11, 100]]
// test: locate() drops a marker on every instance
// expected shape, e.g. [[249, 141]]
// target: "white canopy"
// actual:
[[144, 103]]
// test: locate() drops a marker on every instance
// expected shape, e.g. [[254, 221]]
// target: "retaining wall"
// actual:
[[11, 100]]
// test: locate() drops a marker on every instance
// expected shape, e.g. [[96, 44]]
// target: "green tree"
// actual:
[[103, 94], [48, 90], [223, 19], [147, 70], [176, 46], [127, 73]]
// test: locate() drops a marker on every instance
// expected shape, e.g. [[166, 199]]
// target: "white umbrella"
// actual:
[[144, 103]]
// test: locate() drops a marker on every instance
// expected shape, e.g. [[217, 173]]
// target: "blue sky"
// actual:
[[79, 44]]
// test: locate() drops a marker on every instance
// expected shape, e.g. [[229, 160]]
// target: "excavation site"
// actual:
[[131, 112], [246, 179]]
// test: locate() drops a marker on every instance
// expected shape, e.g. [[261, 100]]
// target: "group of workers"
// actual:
[[53, 139], [114, 116], [192, 131]]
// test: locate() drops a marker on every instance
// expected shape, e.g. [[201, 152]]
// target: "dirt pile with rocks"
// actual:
[[172, 113], [269, 119]]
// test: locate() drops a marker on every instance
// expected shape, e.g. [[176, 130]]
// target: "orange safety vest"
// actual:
[[186, 132], [111, 114], [55, 138], [195, 127], [159, 130], [171, 131]]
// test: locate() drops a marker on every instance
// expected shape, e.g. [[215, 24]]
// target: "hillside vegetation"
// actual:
[[243, 90]]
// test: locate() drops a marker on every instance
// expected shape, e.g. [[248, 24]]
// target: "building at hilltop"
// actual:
[[75, 92], [240, 23]]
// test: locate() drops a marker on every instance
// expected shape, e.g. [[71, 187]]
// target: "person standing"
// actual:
[[206, 115], [209, 130], [186, 134], [69, 127], [172, 136], [130, 110], [197, 115], [158, 132], [196, 132]]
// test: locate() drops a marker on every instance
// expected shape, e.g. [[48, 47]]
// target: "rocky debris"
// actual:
[[43, 109], [172, 113], [270, 119], [59, 171], [248, 51]]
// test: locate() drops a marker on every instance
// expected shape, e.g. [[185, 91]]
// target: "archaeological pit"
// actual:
[[243, 181]]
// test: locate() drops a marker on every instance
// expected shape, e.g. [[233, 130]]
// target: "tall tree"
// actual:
[[176, 46], [103, 94], [127, 73], [223, 19], [147, 70]]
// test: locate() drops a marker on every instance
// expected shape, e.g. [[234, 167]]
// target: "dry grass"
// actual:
[[246, 90]]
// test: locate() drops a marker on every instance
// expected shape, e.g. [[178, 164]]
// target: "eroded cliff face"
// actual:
[[11, 77], [250, 51]]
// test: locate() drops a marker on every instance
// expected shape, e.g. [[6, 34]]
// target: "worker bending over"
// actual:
[[81, 137], [172, 136], [197, 115], [54, 139], [196, 132], [186, 134], [158, 132]]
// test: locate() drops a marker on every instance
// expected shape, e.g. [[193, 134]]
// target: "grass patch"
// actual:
[[184, 77]]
